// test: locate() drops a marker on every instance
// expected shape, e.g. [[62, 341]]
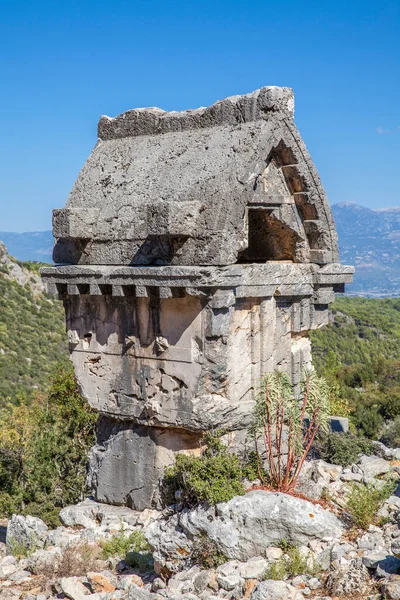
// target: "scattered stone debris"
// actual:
[[268, 546]]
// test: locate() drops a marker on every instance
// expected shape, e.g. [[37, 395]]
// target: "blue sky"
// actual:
[[63, 64]]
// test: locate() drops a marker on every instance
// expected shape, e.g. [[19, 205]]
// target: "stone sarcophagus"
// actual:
[[195, 252]]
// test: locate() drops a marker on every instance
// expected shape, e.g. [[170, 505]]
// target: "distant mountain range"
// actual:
[[368, 239], [32, 245]]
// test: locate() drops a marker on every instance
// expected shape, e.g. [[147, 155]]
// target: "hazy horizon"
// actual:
[[65, 64]]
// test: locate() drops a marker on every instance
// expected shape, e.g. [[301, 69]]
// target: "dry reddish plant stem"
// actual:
[[283, 476]]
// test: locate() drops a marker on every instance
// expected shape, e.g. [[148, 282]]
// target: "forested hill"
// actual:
[[362, 331], [32, 331], [359, 353]]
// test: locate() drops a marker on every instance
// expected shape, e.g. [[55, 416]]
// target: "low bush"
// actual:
[[76, 561], [276, 570], [32, 336], [341, 448], [120, 543], [391, 434], [364, 502], [22, 550], [215, 476], [205, 553], [368, 420], [44, 444], [291, 564], [133, 548]]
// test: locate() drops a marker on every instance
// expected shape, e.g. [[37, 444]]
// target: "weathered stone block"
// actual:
[[197, 252]]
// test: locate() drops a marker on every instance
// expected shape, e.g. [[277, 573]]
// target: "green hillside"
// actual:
[[359, 353], [32, 337], [362, 331]]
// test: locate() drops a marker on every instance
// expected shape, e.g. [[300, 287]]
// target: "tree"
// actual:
[[44, 444]]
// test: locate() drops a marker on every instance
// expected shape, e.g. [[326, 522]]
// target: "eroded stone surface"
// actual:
[[161, 198], [242, 528]]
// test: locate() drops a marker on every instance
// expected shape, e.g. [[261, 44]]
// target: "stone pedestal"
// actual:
[[166, 353]]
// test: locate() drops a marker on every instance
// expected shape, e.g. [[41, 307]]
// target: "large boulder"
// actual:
[[25, 533], [373, 466], [242, 528], [83, 514], [91, 515], [44, 562]]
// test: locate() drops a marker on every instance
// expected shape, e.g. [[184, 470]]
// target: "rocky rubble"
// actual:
[[248, 544]]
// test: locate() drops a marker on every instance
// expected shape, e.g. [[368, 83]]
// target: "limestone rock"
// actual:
[[371, 559], [20, 576], [254, 568], [275, 590], [390, 589], [62, 537], [91, 515], [383, 451], [44, 561], [246, 525], [372, 466], [171, 547], [273, 553], [100, 582], [230, 582], [242, 528], [201, 581], [75, 590], [27, 532], [83, 514], [347, 579], [138, 593], [396, 547]]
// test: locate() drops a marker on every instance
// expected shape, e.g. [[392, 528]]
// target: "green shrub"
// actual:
[[9, 504], [215, 476], [291, 564], [253, 468], [133, 548], [44, 443], [44, 510], [391, 406], [276, 570], [368, 420], [364, 501], [32, 335], [120, 543], [341, 448], [391, 434], [205, 553], [23, 550]]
